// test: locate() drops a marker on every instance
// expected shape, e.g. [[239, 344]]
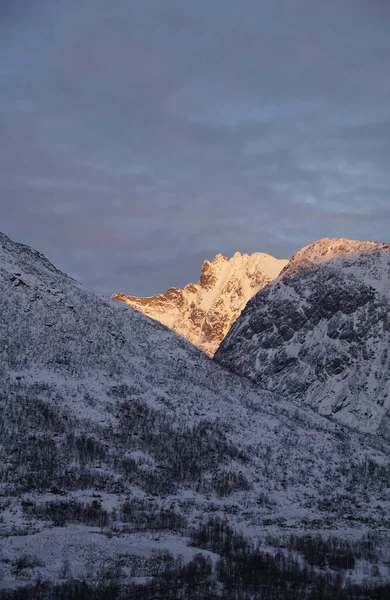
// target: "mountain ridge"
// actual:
[[320, 332], [119, 440], [203, 312]]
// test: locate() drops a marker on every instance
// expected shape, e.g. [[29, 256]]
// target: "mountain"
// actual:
[[125, 452], [204, 312], [320, 333]]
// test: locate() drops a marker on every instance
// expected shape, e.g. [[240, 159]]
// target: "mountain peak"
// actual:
[[219, 258], [204, 312], [327, 249], [320, 332]]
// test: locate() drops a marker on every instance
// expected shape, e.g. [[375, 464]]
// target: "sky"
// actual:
[[140, 137]]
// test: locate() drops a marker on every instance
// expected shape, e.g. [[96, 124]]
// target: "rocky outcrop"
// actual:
[[204, 312], [320, 333]]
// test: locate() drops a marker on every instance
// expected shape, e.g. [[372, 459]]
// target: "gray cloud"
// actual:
[[140, 138]]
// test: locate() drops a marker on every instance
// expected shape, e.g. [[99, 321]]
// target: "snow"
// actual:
[[87, 550], [134, 392], [204, 312], [333, 297]]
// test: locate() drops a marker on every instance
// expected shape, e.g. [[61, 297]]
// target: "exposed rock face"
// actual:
[[204, 312], [321, 332]]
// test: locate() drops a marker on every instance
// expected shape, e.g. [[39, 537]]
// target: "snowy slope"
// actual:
[[203, 312], [115, 433], [320, 333]]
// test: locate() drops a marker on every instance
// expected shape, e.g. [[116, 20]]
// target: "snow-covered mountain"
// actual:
[[118, 439], [204, 312], [320, 333]]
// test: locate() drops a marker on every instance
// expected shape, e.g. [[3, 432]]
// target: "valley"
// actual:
[[130, 459]]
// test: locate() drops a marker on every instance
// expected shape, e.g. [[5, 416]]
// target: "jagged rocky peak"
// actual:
[[320, 333], [203, 312], [211, 270]]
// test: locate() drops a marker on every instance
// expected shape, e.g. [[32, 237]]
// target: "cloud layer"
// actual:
[[138, 138]]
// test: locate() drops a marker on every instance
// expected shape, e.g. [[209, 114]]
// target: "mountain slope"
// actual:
[[320, 333], [203, 312], [118, 438]]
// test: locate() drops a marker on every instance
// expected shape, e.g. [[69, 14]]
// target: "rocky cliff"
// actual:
[[204, 312], [320, 333]]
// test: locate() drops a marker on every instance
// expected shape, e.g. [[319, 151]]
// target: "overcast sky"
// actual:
[[139, 137]]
